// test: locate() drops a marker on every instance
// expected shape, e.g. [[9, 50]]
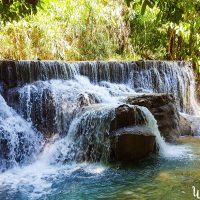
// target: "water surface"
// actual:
[[153, 178]]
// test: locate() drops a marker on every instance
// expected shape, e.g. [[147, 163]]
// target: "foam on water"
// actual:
[[166, 150], [19, 142], [83, 109], [36, 180]]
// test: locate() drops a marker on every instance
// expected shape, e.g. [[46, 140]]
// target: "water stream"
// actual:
[[55, 119]]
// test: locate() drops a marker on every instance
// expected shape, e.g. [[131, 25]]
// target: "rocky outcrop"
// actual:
[[185, 126], [126, 116], [163, 107], [112, 135], [130, 138]]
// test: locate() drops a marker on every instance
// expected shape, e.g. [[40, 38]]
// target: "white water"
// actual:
[[20, 143], [65, 93], [101, 98], [165, 150], [147, 76]]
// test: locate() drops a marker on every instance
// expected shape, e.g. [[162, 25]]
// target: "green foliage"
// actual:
[[173, 25], [16, 9], [146, 36], [100, 29], [71, 30]]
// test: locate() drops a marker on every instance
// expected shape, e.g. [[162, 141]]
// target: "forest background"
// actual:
[[101, 30]]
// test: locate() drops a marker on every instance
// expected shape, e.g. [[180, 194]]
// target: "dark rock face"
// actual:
[[162, 106], [130, 138], [37, 107], [185, 126], [126, 116], [131, 144], [107, 135], [8, 73]]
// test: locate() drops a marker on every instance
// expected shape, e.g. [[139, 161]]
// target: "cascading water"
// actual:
[[74, 109], [142, 76], [19, 142], [53, 106], [166, 150]]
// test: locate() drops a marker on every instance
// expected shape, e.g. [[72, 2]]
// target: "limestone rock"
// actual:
[[189, 125], [132, 144], [163, 107]]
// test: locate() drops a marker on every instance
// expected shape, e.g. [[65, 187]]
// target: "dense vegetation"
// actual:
[[100, 29]]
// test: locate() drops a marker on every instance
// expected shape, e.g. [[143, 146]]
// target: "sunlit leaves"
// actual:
[[16, 9], [71, 30], [176, 26]]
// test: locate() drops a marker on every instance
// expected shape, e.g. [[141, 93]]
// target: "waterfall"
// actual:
[[142, 76], [76, 104], [19, 142], [165, 150], [87, 138]]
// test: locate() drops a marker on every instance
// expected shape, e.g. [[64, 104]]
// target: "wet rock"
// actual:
[[8, 73], [86, 99], [108, 134], [131, 144], [189, 125], [163, 107], [36, 105], [185, 126], [130, 138], [127, 116]]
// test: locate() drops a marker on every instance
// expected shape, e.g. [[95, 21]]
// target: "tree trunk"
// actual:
[[170, 45]]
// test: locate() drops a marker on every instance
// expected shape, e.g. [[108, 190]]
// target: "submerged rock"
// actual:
[[163, 107]]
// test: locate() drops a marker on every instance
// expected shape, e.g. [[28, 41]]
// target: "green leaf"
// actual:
[[144, 5]]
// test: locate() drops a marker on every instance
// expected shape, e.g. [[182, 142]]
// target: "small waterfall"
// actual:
[[142, 76], [77, 103], [152, 125], [52, 105], [90, 133], [87, 138], [165, 149], [19, 142]]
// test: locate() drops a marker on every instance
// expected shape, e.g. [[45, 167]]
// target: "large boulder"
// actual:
[[132, 144], [110, 135], [130, 138], [163, 107]]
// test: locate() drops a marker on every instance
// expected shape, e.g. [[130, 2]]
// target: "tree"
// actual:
[[11, 10], [178, 21]]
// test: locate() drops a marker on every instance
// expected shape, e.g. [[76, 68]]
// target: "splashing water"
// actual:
[[166, 150], [73, 105], [19, 142]]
